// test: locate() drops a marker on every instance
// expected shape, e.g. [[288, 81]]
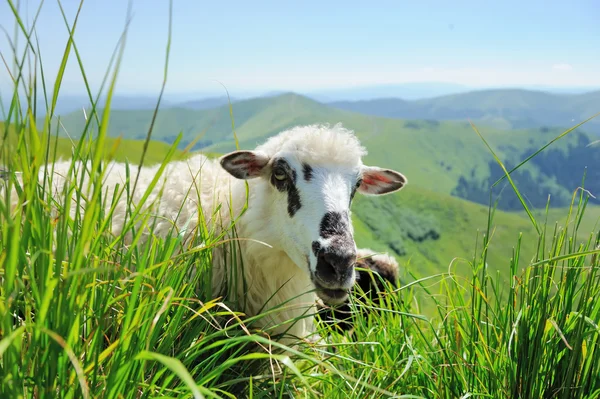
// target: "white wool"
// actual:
[[206, 184], [378, 257], [318, 145]]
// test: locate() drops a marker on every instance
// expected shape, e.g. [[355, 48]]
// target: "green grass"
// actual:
[[456, 221], [589, 224], [80, 317], [122, 150]]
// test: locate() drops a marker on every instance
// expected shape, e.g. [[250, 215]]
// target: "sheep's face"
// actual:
[[310, 208]]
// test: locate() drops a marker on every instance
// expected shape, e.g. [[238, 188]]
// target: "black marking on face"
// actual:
[[281, 167], [332, 224], [316, 247], [294, 203], [307, 171]]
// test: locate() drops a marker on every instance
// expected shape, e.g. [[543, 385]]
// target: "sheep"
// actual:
[[301, 183], [381, 273]]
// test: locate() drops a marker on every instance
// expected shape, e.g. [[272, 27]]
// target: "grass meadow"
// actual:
[[81, 317]]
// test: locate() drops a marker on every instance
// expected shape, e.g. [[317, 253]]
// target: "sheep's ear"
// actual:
[[244, 164], [378, 181]]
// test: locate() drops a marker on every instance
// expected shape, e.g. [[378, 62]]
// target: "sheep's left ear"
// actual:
[[379, 181], [245, 164]]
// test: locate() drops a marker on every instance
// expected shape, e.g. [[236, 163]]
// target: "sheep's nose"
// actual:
[[334, 268]]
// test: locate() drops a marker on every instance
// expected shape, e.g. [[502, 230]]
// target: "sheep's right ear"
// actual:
[[245, 164]]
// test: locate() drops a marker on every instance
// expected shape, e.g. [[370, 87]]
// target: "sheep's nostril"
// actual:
[[334, 266], [326, 267]]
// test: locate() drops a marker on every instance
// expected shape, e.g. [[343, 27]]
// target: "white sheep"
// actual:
[[301, 184]]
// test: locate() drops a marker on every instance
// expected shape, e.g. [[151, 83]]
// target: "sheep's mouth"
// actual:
[[331, 296]]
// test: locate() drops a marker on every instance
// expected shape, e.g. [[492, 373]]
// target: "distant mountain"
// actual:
[[206, 103], [69, 102], [74, 103], [561, 90], [408, 91], [502, 108], [423, 90], [259, 116]]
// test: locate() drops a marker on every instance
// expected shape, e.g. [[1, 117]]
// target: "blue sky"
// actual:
[[312, 45]]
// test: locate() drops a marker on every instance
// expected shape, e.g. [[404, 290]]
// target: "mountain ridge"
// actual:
[[505, 108], [388, 102]]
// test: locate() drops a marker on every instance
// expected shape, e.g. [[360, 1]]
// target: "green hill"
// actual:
[[119, 149], [443, 156], [429, 231], [558, 216], [449, 157], [259, 116], [503, 108]]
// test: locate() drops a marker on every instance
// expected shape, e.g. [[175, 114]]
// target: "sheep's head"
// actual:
[[310, 177]]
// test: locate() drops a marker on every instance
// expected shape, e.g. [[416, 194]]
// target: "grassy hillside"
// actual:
[[551, 175], [428, 231], [502, 108], [560, 216], [115, 148], [443, 156], [259, 116]]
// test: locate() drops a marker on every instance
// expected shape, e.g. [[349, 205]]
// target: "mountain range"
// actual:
[[506, 109]]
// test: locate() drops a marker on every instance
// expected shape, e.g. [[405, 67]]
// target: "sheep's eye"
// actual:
[[279, 174]]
